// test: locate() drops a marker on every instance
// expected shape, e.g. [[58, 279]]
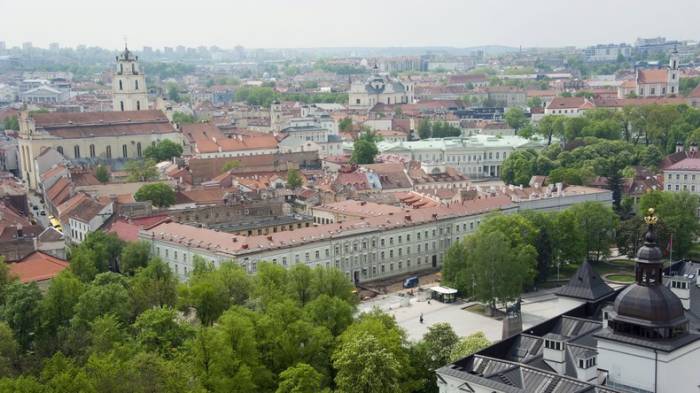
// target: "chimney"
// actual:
[[20, 232], [269, 238]]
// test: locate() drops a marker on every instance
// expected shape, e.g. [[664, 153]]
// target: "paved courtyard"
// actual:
[[536, 308]]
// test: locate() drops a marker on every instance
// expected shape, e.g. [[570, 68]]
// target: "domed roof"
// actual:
[[649, 305]]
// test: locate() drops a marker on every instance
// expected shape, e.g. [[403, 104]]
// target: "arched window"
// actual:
[[92, 151], [121, 104], [121, 86], [138, 105], [124, 154], [59, 149], [136, 85], [76, 151], [121, 68], [138, 149], [108, 151], [133, 68]]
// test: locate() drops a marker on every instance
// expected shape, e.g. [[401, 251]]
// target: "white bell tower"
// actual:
[[673, 73], [129, 84]]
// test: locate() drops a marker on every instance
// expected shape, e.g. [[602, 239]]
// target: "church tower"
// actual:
[[673, 73], [129, 84]]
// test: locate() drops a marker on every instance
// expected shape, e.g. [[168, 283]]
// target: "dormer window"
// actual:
[[552, 344], [587, 363]]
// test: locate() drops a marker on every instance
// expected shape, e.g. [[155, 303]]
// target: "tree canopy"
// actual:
[[160, 194]]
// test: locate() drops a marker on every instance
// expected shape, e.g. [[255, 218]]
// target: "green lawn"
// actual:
[[626, 278]]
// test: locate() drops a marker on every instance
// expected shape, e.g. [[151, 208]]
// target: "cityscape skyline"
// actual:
[[316, 24]]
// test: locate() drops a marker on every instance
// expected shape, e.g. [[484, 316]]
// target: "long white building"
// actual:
[[368, 248]]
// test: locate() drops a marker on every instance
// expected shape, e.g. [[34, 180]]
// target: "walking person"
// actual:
[[421, 318]]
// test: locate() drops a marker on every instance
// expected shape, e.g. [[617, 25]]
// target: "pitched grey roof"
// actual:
[[585, 284]]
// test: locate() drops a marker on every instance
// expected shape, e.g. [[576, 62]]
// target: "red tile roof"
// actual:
[[208, 138], [92, 124], [37, 266], [568, 102], [653, 76], [688, 164]]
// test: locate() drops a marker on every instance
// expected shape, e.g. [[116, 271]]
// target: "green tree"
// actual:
[[58, 306], [597, 223], [21, 311], [425, 130], [158, 330], [331, 312], [163, 150], [102, 174], [345, 124], [160, 194], [568, 239], [134, 255], [11, 123], [183, 118], [6, 278], [677, 214], [83, 264], [294, 179], [365, 148], [173, 92], [9, 351], [106, 333], [515, 117], [300, 378], [439, 342], [364, 364], [141, 170], [519, 167], [211, 291], [469, 345], [99, 300], [153, 286]]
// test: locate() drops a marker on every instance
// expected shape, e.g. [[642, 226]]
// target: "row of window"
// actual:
[[465, 157], [678, 187], [678, 176], [107, 153]]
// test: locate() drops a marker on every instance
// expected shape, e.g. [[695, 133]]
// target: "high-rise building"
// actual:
[[129, 84]]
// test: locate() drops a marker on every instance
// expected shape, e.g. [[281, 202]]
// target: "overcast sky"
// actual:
[[333, 23]]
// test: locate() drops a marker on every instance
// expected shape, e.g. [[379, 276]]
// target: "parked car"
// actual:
[[410, 282], [43, 213], [35, 207]]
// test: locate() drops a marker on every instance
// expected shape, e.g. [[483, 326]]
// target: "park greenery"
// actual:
[[437, 129], [603, 143], [508, 254], [265, 96], [119, 320]]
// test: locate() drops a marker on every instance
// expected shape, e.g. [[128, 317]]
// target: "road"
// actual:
[[35, 200]]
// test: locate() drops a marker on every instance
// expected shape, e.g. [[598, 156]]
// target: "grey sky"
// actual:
[[330, 23]]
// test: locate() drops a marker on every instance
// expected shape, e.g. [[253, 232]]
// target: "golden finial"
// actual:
[[650, 217]]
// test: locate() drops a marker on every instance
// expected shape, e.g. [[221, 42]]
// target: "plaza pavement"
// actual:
[[537, 307]]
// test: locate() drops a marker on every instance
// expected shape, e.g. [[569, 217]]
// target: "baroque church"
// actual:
[[640, 339], [661, 82], [89, 138]]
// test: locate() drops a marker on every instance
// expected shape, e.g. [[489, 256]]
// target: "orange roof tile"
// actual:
[[37, 266]]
